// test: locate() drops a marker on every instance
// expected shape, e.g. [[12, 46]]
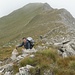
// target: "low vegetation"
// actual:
[[35, 22], [44, 61], [41, 58], [6, 52], [49, 60]]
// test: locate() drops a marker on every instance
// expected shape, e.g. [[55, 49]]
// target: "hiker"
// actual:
[[26, 43]]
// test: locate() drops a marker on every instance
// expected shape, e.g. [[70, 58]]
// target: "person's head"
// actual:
[[24, 39]]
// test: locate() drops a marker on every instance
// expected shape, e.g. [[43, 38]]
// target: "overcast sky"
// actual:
[[7, 6]]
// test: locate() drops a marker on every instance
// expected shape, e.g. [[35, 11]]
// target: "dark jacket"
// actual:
[[26, 45]]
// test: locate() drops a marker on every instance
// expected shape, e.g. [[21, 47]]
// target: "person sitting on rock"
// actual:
[[26, 43]]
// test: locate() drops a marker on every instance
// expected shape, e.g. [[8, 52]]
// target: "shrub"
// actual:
[[62, 71], [64, 62], [26, 61], [48, 60], [72, 65], [15, 68], [66, 72], [51, 54], [42, 58]]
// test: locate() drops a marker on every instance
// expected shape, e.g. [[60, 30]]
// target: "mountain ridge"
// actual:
[[33, 20]]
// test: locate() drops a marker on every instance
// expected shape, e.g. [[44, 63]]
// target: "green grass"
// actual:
[[65, 62], [6, 52], [15, 68], [44, 61], [31, 20], [72, 65], [48, 59], [48, 55]]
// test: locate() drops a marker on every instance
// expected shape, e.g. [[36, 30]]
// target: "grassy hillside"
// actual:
[[33, 20], [13, 25], [48, 62]]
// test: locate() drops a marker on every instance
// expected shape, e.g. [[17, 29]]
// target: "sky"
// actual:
[[8, 6]]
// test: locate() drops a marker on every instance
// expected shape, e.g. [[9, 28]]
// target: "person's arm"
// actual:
[[20, 45]]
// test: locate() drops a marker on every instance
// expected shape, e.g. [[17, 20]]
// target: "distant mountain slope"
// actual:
[[34, 19]]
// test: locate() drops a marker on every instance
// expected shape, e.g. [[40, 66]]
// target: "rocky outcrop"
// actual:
[[7, 69], [24, 70], [66, 48], [14, 55]]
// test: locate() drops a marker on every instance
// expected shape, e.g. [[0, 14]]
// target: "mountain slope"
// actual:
[[33, 20], [11, 26]]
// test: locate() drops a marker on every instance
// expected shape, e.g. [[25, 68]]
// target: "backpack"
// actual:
[[30, 39]]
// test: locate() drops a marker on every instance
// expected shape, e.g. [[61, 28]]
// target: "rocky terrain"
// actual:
[[64, 49], [54, 35]]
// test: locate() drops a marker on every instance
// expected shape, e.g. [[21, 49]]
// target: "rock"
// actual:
[[28, 51], [13, 57], [8, 67], [7, 61], [24, 55], [32, 56], [59, 52], [66, 48], [25, 52], [41, 47], [25, 70], [29, 66], [21, 56], [72, 46], [58, 45], [17, 74], [64, 54], [1, 63], [14, 54], [1, 70], [7, 73], [69, 49]]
